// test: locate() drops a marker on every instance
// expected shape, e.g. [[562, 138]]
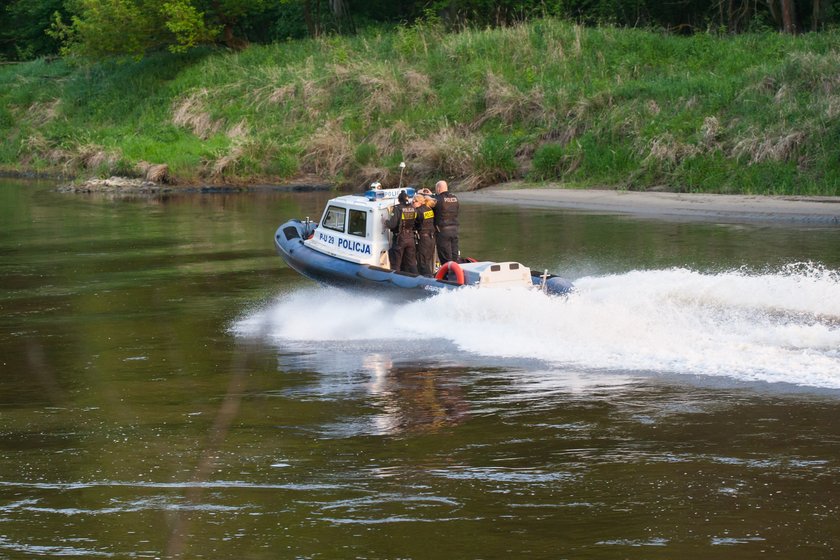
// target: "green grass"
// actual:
[[546, 101]]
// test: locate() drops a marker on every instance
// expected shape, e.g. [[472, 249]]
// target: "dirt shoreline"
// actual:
[[816, 210], [824, 210]]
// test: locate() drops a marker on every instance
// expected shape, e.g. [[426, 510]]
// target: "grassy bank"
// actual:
[[544, 101]]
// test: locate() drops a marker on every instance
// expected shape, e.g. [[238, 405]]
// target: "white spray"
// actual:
[[780, 326]]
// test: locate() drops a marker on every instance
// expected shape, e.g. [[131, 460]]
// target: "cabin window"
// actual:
[[334, 218], [358, 223]]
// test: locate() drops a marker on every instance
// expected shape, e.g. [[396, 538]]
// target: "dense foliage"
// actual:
[[101, 28], [544, 101]]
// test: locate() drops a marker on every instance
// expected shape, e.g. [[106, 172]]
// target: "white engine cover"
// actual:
[[496, 275]]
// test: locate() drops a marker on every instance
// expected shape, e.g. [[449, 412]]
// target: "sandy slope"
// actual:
[[815, 210]]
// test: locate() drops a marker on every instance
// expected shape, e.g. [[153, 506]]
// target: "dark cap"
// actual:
[[403, 198]]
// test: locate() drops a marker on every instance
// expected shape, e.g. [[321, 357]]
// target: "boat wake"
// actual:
[[780, 326]]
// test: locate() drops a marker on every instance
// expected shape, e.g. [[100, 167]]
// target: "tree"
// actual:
[[783, 13], [339, 12], [226, 14], [108, 27], [788, 16], [23, 25], [134, 27]]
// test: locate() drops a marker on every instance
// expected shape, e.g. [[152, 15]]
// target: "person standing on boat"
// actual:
[[446, 223], [402, 253], [425, 225]]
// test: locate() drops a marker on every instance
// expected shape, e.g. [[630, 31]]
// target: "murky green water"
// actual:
[[168, 388]]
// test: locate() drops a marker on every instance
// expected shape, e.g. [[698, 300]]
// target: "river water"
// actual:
[[170, 389]]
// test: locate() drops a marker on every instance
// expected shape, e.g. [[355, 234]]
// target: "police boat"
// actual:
[[348, 248]]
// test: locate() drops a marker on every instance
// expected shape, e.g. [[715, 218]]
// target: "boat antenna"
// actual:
[[402, 168]]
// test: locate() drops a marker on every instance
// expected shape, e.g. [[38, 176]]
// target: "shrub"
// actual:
[[6, 119], [496, 159], [284, 165], [549, 162], [365, 154]]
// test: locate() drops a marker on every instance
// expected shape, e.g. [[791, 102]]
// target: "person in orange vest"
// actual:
[[425, 226], [402, 252]]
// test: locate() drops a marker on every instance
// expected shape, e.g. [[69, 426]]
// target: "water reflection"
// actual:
[[400, 396], [412, 399]]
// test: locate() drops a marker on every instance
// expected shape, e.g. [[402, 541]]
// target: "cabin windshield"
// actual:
[[334, 218], [357, 225]]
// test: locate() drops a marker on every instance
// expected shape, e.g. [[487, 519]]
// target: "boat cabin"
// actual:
[[352, 227]]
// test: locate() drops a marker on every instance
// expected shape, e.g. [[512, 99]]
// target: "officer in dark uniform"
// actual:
[[446, 223], [425, 225], [402, 253]]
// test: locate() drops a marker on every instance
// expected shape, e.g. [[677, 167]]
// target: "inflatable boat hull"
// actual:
[[326, 269]]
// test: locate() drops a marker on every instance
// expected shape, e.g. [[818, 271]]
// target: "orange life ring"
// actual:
[[451, 266]]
